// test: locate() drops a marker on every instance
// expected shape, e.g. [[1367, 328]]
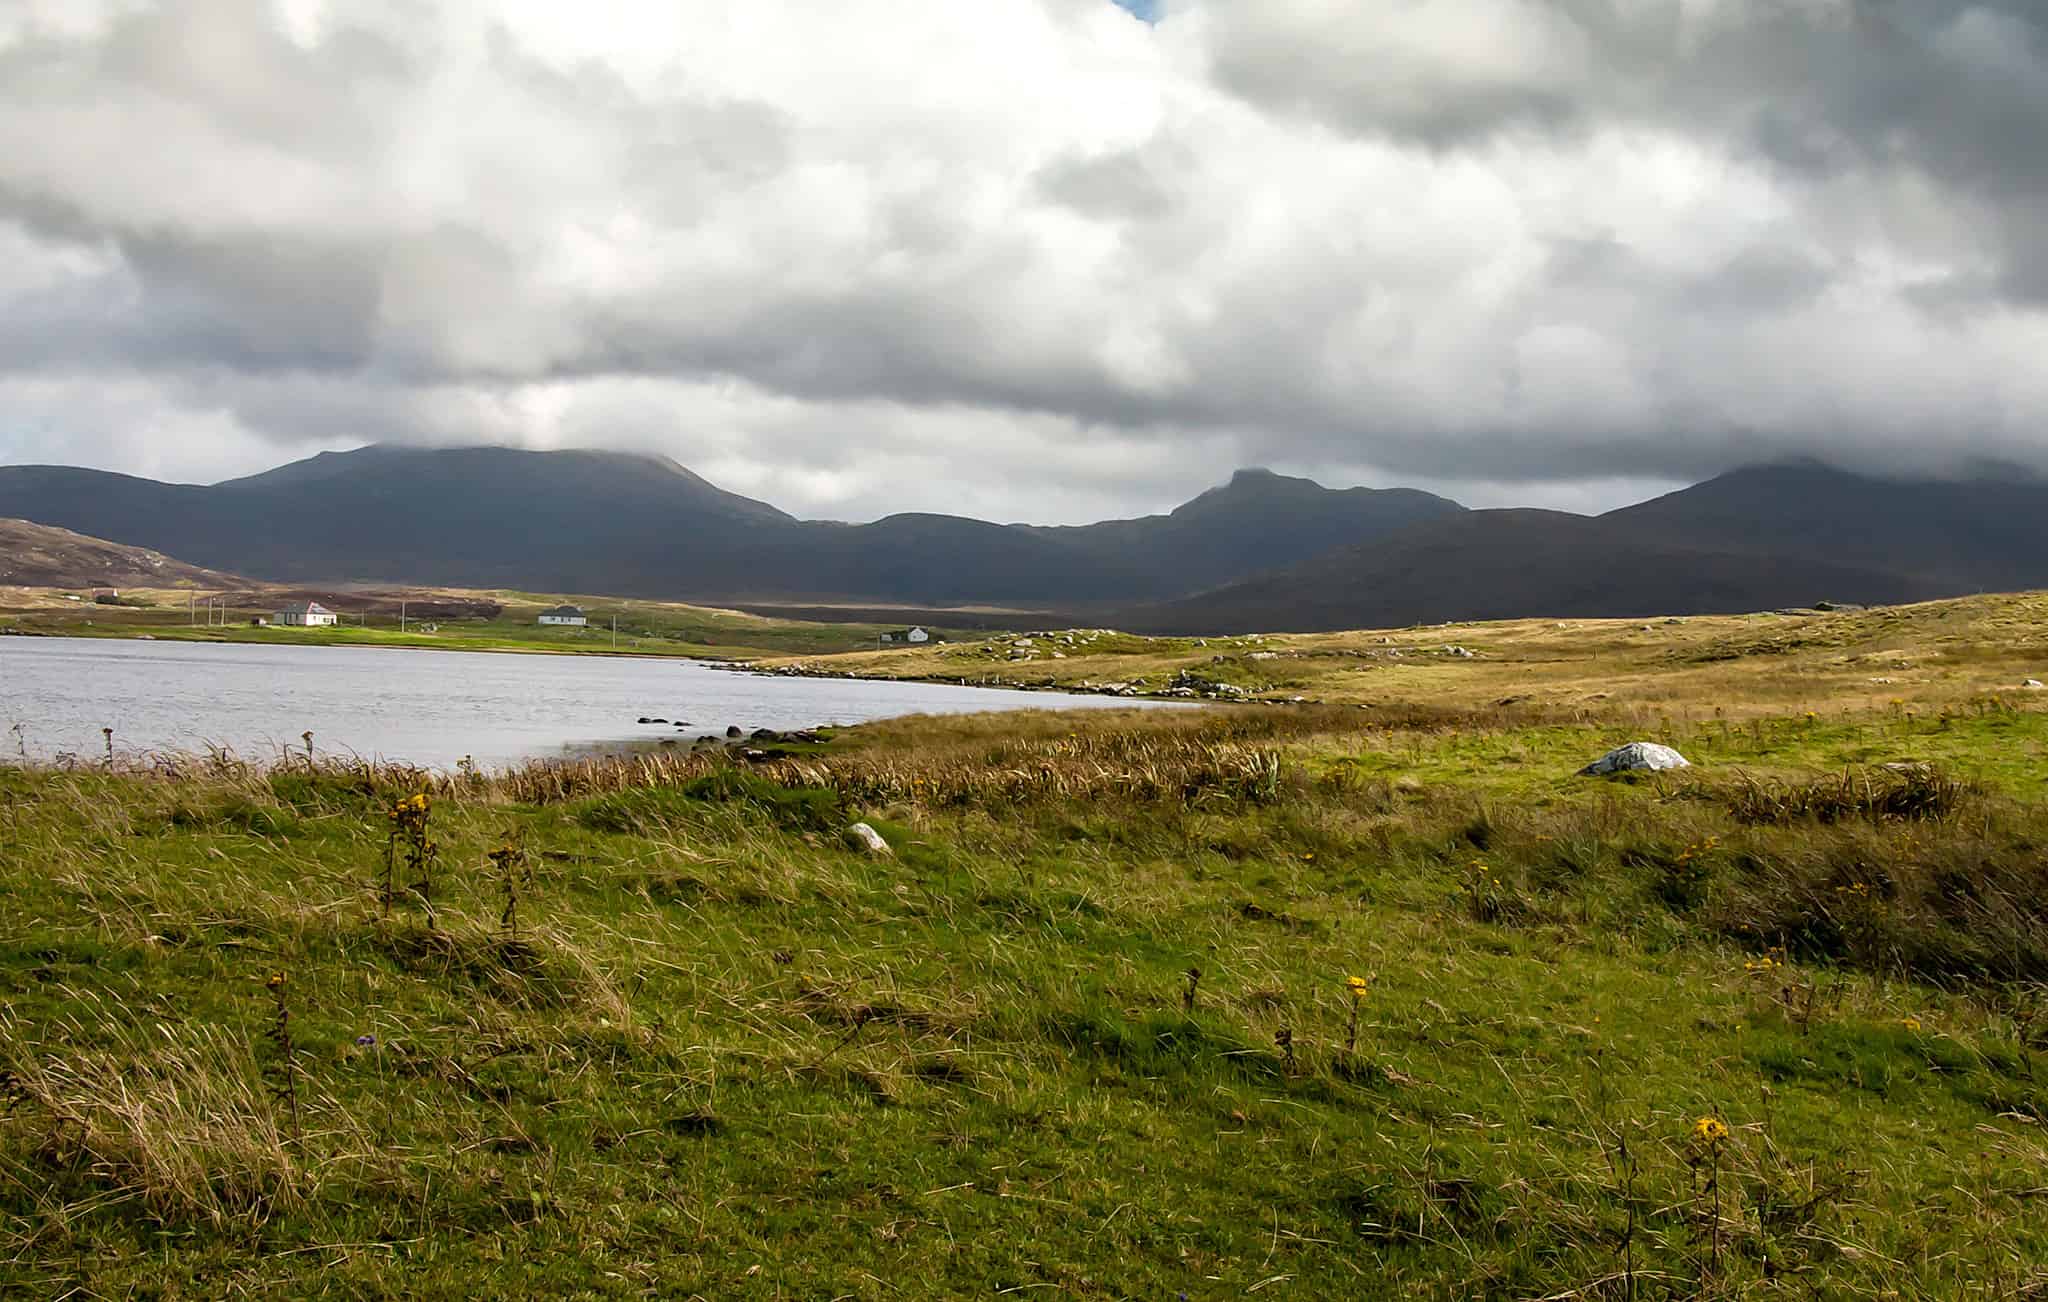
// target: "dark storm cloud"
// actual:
[[853, 253]]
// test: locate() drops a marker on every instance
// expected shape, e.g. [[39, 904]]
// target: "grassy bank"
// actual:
[[1088, 1032], [1933, 655], [444, 618]]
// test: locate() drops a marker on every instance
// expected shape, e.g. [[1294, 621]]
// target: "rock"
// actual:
[[2032, 685], [766, 734], [867, 840], [1636, 757], [733, 730]]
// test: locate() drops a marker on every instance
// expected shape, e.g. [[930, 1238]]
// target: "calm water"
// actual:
[[424, 707]]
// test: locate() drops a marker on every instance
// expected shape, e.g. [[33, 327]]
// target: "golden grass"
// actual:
[[1930, 655]]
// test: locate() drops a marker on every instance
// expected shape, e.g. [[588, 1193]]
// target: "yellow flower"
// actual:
[[276, 981], [1708, 1130], [1910, 1023], [1357, 986], [1310, 857]]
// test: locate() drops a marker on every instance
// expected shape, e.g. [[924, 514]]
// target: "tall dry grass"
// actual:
[[178, 1120]]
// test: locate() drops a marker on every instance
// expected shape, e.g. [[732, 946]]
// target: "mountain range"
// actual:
[[1264, 551]]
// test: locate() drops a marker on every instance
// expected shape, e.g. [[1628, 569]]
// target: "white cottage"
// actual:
[[310, 614], [564, 616]]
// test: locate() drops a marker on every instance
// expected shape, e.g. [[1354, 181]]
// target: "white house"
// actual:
[[565, 616], [912, 635], [310, 614]]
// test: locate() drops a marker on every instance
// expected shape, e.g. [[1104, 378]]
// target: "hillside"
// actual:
[[644, 526], [1263, 551], [1257, 521], [1966, 535], [42, 556], [1506, 564], [1753, 539]]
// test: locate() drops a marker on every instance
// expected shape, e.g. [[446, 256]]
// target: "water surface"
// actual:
[[423, 707]]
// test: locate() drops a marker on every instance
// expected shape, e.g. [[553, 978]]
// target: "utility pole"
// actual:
[[615, 632], [401, 614]]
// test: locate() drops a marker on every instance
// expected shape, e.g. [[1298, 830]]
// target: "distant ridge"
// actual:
[[1263, 551], [580, 521], [1517, 563]]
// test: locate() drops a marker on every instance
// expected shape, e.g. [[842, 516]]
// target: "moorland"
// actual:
[[1372, 997]]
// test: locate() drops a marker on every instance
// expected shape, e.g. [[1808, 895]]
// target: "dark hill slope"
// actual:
[[1509, 564], [1258, 521], [475, 516], [1968, 535], [636, 525], [488, 517]]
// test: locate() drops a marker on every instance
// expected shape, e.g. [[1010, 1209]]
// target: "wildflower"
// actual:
[[366, 1041], [276, 981], [1709, 1130], [1357, 985], [1310, 857], [1910, 1023]]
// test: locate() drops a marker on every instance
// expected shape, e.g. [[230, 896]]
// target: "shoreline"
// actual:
[[1118, 690], [396, 642]]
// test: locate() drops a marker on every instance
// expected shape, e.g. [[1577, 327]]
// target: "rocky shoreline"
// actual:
[[1184, 686], [755, 747]]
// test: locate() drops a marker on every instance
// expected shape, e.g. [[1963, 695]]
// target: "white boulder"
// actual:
[[867, 839], [1636, 757]]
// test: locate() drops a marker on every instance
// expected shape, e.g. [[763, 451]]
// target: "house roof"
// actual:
[[564, 610], [304, 608]]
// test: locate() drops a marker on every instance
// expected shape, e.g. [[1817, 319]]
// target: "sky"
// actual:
[[1048, 260]]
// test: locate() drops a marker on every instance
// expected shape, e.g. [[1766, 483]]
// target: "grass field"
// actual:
[[662, 628], [1774, 1026], [1939, 653]]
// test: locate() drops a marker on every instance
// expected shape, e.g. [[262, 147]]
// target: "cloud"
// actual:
[[1035, 260]]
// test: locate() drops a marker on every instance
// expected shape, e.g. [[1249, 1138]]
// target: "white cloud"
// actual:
[[1034, 260]]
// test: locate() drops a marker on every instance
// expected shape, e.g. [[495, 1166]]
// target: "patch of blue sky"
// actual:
[[1145, 9]]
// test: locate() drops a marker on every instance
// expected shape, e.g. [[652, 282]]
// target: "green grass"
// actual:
[[726, 1054], [644, 627]]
